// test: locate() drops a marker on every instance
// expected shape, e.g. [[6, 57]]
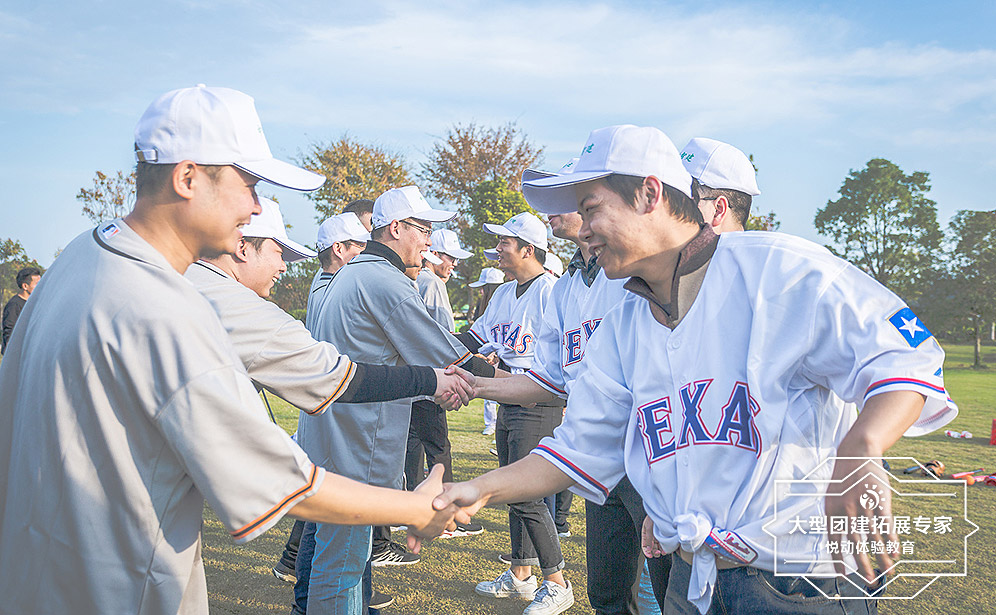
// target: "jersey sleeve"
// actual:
[[865, 341], [292, 364], [247, 468], [548, 369], [589, 446], [419, 339]]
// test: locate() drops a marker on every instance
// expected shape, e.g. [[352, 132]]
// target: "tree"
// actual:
[[884, 223], [290, 293], [352, 171], [973, 261], [762, 222], [471, 154], [112, 196], [13, 258]]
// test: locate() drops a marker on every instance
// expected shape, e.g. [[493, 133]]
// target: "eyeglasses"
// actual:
[[425, 231]]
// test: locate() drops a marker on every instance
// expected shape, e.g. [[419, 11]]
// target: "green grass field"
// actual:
[[239, 580]]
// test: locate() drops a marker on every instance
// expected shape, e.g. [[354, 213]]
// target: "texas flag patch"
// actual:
[[910, 327]]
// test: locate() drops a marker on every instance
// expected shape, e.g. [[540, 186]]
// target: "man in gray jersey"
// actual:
[[373, 313], [125, 405], [340, 239]]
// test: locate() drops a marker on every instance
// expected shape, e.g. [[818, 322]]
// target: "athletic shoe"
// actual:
[[285, 574], [493, 451], [551, 599], [380, 601], [505, 558], [463, 529], [394, 555], [507, 586], [564, 534], [489, 430], [399, 528]]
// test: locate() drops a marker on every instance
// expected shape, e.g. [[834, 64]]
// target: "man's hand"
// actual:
[[884, 418], [651, 548], [454, 387], [440, 518]]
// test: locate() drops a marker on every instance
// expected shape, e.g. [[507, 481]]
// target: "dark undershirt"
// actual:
[[373, 383]]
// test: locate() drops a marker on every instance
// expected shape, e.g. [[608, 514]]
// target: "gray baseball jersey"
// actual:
[[124, 407], [437, 300], [277, 351], [375, 315], [318, 285]]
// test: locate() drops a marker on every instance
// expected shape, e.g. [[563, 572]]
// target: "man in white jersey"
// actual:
[[125, 405], [340, 238], [704, 418], [510, 325]]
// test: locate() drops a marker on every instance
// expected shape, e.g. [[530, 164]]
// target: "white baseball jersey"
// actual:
[[705, 417], [278, 352], [572, 314], [124, 408], [510, 324]]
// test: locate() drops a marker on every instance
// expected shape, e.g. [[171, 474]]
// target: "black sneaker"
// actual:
[[380, 601], [463, 529], [394, 555], [285, 574]]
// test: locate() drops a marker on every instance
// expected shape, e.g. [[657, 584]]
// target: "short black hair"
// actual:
[[739, 201], [325, 257], [538, 253], [681, 205], [24, 276], [359, 206], [255, 242], [151, 179]]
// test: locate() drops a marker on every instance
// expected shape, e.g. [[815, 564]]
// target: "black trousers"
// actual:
[[428, 441], [615, 559]]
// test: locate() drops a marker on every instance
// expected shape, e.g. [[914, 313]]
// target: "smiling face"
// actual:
[[261, 268], [612, 228], [510, 255], [221, 206], [445, 269]]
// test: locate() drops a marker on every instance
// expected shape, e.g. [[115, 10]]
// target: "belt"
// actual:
[[721, 563]]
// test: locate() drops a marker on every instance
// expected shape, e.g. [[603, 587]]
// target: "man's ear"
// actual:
[[241, 250], [722, 211], [184, 177], [650, 196]]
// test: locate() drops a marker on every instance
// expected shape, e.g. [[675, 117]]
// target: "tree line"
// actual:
[[881, 221]]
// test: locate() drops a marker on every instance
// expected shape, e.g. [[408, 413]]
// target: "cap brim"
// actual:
[[555, 194], [457, 253], [532, 174], [498, 229], [432, 258], [433, 215], [491, 255], [283, 174], [477, 284], [293, 251]]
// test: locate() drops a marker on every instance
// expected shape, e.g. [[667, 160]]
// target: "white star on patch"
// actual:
[[910, 327]]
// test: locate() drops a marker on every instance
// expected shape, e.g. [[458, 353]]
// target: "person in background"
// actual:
[[26, 281]]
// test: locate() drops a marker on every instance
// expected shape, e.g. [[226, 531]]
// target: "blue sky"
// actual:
[[811, 89]]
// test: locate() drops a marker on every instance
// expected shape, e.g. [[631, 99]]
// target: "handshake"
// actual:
[[455, 387], [444, 507]]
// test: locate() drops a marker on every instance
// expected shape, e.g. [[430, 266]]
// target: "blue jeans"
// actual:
[[302, 567], [341, 554], [751, 590]]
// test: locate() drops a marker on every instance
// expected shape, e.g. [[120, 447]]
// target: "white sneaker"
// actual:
[[551, 599], [489, 430], [507, 586]]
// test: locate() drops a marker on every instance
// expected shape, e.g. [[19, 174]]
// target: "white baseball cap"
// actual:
[[214, 126], [404, 203], [531, 174], [719, 165], [491, 254], [554, 264], [341, 227], [446, 241], [525, 226], [270, 224], [489, 275], [626, 150]]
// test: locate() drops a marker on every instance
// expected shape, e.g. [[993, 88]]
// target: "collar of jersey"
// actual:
[[376, 248], [129, 244]]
